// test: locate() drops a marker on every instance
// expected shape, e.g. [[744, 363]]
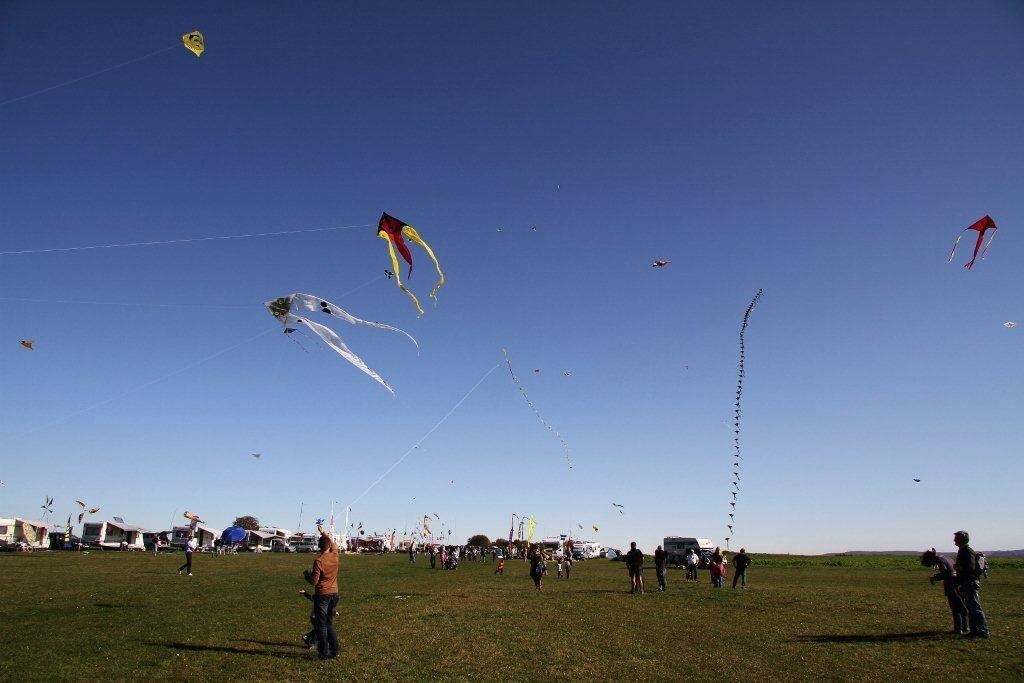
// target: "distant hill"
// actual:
[[988, 553]]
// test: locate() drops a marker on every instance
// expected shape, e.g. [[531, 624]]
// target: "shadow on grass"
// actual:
[[272, 643], [873, 637], [191, 647], [107, 605]]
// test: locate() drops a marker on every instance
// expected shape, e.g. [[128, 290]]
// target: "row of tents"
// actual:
[[26, 534]]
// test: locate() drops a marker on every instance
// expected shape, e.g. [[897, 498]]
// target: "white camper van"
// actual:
[[678, 546]]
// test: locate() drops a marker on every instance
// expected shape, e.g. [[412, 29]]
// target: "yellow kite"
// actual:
[[194, 42], [530, 529], [394, 232]]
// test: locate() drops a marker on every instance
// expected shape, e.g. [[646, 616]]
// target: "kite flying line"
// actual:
[[150, 383], [565, 446], [736, 416], [182, 241], [424, 437], [82, 78], [136, 304]]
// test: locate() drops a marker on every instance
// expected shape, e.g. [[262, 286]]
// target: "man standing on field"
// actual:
[[968, 575], [635, 566], [741, 561], [660, 558], [324, 577]]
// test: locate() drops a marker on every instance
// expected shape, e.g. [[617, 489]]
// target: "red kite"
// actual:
[[982, 226], [394, 232]]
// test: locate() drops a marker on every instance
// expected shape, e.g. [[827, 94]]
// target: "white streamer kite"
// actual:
[[282, 308]]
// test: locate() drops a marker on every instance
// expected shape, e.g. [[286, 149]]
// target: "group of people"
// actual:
[[539, 565], [717, 564], [961, 581]]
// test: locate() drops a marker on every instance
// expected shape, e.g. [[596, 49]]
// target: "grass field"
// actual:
[[115, 616]]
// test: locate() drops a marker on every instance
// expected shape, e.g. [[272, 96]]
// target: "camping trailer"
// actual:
[[586, 550], [259, 541], [678, 546], [14, 531], [113, 535]]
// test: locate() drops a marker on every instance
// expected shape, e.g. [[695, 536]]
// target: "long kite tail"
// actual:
[[739, 396], [526, 397]]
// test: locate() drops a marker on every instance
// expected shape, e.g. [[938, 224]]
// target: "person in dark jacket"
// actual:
[[740, 561], [967, 575], [946, 574], [660, 559], [635, 566]]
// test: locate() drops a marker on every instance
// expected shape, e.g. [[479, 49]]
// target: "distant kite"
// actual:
[[918, 481], [47, 504], [660, 264], [1009, 324], [394, 232], [257, 455], [27, 343], [594, 527], [85, 511], [194, 42], [981, 227], [283, 309]]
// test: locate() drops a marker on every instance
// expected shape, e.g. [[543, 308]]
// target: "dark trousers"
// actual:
[[969, 593], [741, 576], [326, 636], [956, 606], [660, 573], [691, 572], [187, 565]]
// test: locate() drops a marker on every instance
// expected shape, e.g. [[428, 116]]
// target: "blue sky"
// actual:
[[826, 153]]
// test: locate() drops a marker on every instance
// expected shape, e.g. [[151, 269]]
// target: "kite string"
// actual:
[[182, 241], [425, 436], [150, 383], [565, 446], [191, 307], [82, 78]]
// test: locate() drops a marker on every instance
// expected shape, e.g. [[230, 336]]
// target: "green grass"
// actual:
[[115, 616]]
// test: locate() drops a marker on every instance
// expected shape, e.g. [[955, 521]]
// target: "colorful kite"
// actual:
[[194, 519], [739, 394], [194, 42], [981, 226], [594, 527], [282, 308], [565, 446], [394, 232], [27, 343]]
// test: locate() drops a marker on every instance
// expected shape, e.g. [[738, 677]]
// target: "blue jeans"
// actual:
[[969, 593], [956, 606], [326, 636]]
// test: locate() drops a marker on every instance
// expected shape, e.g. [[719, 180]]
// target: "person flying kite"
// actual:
[[394, 232], [982, 226]]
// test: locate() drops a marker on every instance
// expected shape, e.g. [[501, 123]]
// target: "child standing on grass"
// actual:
[[501, 567]]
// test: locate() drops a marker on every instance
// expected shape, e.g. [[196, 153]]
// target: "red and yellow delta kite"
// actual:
[[394, 232]]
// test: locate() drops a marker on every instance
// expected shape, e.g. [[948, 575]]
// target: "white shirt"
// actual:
[[191, 545]]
